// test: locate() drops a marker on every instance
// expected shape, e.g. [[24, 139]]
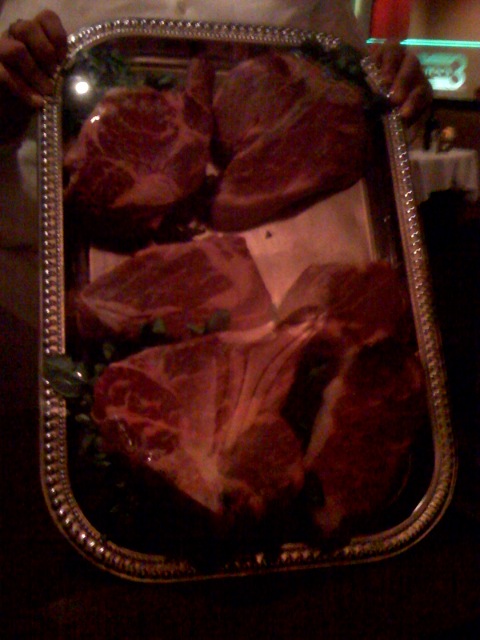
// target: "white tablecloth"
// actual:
[[440, 171]]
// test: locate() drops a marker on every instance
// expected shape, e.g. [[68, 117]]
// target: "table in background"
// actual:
[[455, 170]]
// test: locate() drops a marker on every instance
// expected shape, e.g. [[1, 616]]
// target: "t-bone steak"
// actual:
[[284, 131], [206, 416], [372, 408], [182, 284], [140, 152], [362, 436], [359, 303], [324, 407]]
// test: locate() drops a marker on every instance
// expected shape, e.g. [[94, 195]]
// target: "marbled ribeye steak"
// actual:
[[205, 415], [183, 284], [284, 131], [140, 152]]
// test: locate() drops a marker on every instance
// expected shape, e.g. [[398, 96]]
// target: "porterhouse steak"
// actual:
[[206, 416], [298, 133], [140, 152], [362, 436], [359, 303], [182, 284], [213, 416], [373, 404]]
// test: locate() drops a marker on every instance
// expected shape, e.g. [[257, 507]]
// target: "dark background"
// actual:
[[429, 591]]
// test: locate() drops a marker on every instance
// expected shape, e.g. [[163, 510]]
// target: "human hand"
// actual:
[[402, 73], [29, 54]]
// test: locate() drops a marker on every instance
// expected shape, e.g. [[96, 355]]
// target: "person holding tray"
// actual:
[[31, 47], [34, 42]]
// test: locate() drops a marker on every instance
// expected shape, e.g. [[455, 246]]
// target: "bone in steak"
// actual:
[[205, 416], [140, 152], [363, 434], [213, 416], [371, 410], [359, 303], [182, 284], [285, 131]]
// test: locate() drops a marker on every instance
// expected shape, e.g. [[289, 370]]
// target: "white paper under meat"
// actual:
[[333, 230], [336, 229]]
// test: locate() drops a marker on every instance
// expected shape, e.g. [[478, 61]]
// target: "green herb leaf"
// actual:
[[159, 327], [87, 443], [315, 372], [218, 321], [160, 82], [197, 329], [108, 350], [67, 377]]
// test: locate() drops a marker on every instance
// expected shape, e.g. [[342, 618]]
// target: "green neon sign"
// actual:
[[446, 71], [424, 42]]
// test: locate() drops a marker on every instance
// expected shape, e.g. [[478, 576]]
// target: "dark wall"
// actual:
[[465, 117]]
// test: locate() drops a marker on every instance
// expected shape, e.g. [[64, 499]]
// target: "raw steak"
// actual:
[[285, 131], [362, 421], [359, 304], [139, 153], [205, 415], [363, 433], [183, 284], [215, 417]]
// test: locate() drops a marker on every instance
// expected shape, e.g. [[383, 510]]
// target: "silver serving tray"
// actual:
[[393, 234]]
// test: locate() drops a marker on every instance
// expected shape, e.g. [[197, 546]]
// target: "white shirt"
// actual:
[[333, 16], [18, 186]]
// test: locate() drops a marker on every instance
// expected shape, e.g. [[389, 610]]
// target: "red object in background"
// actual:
[[390, 19]]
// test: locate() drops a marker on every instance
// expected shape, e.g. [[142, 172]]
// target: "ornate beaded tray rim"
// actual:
[[60, 500]]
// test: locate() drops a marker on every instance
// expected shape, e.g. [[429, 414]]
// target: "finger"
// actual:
[[32, 35], [19, 88], [409, 76], [19, 64], [389, 58], [56, 34], [417, 102]]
